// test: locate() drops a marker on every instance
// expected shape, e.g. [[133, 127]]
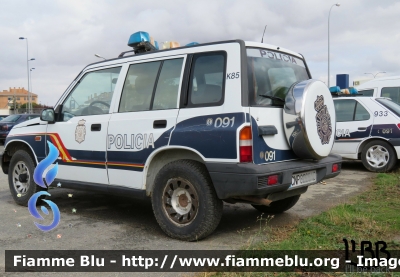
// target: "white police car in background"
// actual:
[[189, 127], [382, 87], [368, 128]]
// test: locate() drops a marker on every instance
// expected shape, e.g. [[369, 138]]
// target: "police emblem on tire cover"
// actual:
[[80, 131], [323, 118]]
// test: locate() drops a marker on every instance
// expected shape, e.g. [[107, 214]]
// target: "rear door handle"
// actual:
[[268, 130], [158, 124], [95, 127], [362, 128]]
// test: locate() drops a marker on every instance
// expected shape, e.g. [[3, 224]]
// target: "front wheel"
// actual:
[[184, 201], [279, 206], [378, 156], [20, 177]]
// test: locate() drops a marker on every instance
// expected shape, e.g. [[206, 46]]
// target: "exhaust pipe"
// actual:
[[256, 200]]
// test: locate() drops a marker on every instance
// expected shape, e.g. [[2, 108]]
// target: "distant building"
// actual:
[[21, 95]]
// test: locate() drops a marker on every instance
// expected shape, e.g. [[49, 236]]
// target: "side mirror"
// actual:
[[48, 115]]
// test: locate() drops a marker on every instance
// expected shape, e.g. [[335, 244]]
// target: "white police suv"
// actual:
[[189, 127], [368, 128], [382, 87]]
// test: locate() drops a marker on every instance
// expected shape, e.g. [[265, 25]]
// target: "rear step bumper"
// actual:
[[240, 179]]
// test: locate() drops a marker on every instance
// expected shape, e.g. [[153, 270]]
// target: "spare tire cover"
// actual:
[[309, 119]]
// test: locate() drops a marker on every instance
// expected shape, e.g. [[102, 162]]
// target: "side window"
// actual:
[[92, 95], [166, 95], [361, 113], [393, 93], [345, 110], [367, 92], [207, 79], [138, 87]]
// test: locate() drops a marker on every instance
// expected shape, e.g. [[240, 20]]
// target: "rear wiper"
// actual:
[[273, 98]]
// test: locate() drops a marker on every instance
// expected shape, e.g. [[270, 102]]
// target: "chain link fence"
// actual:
[[22, 111]]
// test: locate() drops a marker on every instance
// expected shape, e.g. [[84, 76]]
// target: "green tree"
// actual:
[[34, 106]]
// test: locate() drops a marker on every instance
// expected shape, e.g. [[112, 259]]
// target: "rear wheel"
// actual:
[[279, 206], [184, 201], [20, 177], [378, 156]]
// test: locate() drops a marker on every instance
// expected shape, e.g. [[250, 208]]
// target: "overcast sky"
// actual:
[[64, 35]]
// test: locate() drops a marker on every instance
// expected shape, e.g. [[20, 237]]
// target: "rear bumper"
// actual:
[[244, 179]]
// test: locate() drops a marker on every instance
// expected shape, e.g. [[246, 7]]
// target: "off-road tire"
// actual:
[[194, 177], [22, 158], [386, 148], [279, 206]]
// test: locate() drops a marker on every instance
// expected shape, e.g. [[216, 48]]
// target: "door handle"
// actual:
[[95, 127], [362, 128], [267, 130], [158, 124]]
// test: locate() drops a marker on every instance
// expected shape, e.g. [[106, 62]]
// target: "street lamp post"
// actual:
[[374, 75], [30, 87], [30, 93], [329, 74], [98, 56], [27, 66]]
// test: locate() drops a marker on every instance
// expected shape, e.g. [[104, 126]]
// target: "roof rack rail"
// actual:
[[123, 53], [142, 42], [346, 95], [140, 47]]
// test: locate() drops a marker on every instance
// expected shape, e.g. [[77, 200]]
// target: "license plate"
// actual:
[[304, 178]]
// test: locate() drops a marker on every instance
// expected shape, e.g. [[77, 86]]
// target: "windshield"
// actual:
[[271, 74], [12, 118], [392, 106]]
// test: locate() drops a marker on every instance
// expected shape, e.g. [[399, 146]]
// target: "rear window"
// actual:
[[367, 92], [32, 117], [392, 93], [390, 105], [350, 110], [12, 118], [271, 74]]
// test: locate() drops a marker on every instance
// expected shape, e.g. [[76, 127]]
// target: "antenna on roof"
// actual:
[[262, 39]]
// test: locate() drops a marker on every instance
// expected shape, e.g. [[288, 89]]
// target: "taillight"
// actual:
[[272, 180], [398, 125], [335, 168], [245, 145], [4, 127]]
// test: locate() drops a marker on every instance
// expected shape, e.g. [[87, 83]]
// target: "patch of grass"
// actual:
[[374, 215]]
